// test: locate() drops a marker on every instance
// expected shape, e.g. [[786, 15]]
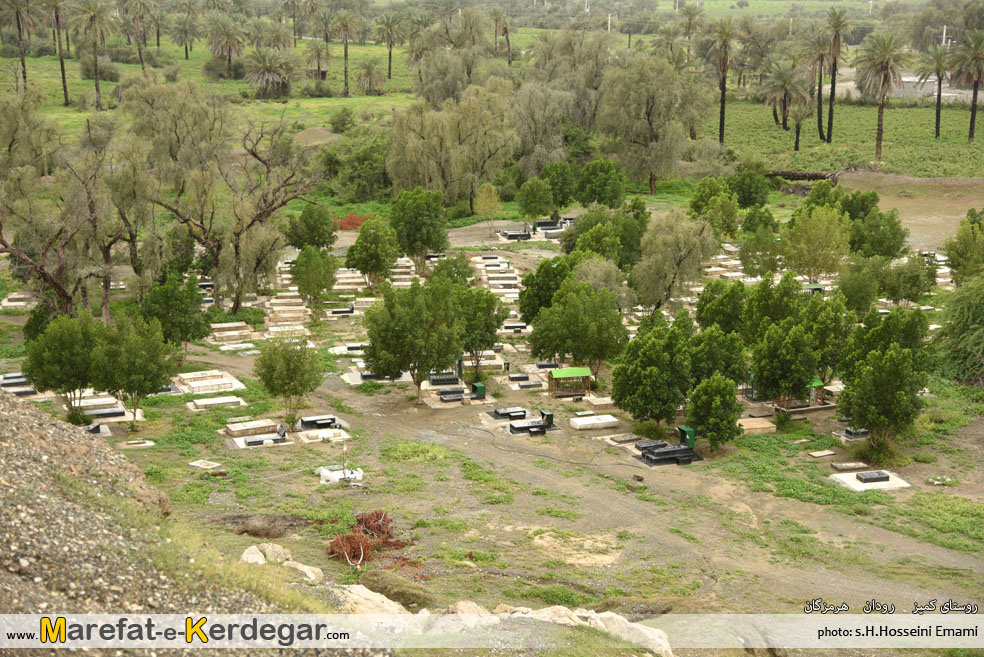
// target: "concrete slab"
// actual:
[[850, 466], [202, 464], [850, 480], [594, 422], [822, 453], [756, 425]]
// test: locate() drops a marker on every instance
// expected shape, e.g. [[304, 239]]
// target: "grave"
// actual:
[[871, 480], [18, 301], [593, 422], [214, 402], [849, 466], [822, 453], [206, 381], [511, 413], [529, 385], [251, 428], [202, 464], [443, 379], [660, 452], [313, 422], [756, 426], [334, 474], [534, 427], [599, 403], [872, 476], [13, 380]]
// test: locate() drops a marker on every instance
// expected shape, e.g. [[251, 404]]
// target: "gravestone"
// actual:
[[872, 476]]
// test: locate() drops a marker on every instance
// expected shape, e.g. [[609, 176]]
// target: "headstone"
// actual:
[[849, 466], [872, 476], [822, 453]]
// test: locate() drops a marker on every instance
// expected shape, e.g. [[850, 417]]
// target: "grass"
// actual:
[[555, 512], [410, 451]]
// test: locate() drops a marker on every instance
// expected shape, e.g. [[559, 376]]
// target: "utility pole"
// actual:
[[609, 22], [943, 42]]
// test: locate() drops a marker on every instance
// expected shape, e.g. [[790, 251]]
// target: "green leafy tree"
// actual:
[[374, 251], [907, 281], [722, 213], [750, 187], [714, 410], [966, 249], [721, 41], [883, 394], [413, 330], [674, 250], [829, 323], [935, 63], [707, 188], [712, 350], [581, 322], [879, 67], [133, 360], [456, 269], [418, 219], [487, 203], [560, 177], [838, 26], [759, 217], [346, 25], [767, 304], [967, 64], [177, 305], [540, 286], [906, 328], [289, 370], [97, 21], [879, 234], [721, 303], [817, 243], [535, 198], [760, 253], [314, 274], [600, 239], [653, 375], [60, 359], [481, 315], [356, 165], [962, 343], [600, 182], [859, 283], [784, 363]]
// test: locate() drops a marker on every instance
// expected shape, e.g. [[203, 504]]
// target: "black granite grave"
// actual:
[[855, 432], [208, 300], [280, 439], [371, 376], [443, 379], [516, 235], [313, 422], [544, 424], [547, 366], [26, 392], [519, 376], [514, 325], [98, 413], [253, 442], [343, 311], [355, 347], [511, 413], [94, 428], [872, 477], [660, 452], [451, 396], [528, 385], [206, 285], [13, 381], [488, 257]]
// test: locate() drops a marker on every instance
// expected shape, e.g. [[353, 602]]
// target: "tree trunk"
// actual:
[[229, 64], [20, 43], [293, 24], [61, 56], [785, 112], [345, 42], [939, 101], [830, 107], [143, 68], [879, 131], [495, 50], [158, 32], [107, 279], [796, 146], [973, 109], [186, 51], [505, 34], [95, 72], [775, 115], [724, 88], [820, 102], [389, 63], [652, 183], [68, 43], [630, 41]]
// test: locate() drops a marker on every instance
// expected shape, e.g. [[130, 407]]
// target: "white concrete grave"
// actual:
[[594, 422], [850, 480], [214, 402], [333, 474]]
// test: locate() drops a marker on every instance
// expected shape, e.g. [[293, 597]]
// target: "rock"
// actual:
[[509, 609], [557, 614], [357, 599], [313, 573], [275, 553], [467, 607], [252, 554], [396, 587], [642, 635], [466, 615]]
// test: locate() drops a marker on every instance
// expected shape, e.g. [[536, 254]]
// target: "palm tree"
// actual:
[[496, 14], [784, 86], [322, 22], [317, 52], [967, 62], [369, 79], [185, 31], [289, 7], [272, 71], [416, 51], [838, 25], [278, 36], [691, 19], [135, 9], [668, 37], [55, 16], [389, 30], [934, 63], [879, 70], [256, 31], [346, 27], [158, 20], [721, 49], [800, 112], [816, 49], [504, 28], [18, 12], [187, 7], [95, 19], [225, 37]]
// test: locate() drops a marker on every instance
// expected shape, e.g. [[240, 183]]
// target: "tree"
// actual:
[[315, 226], [722, 213], [96, 19], [784, 363], [314, 273], [345, 26], [837, 25], [817, 242], [962, 343], [369, 79], [600, 240], [177, 305], [714, 410], [721, 303], [184, 32], [389, 30], [907, 328], [540, 286], [691, 20], [706, 189], [879, 234], [767, 304], [582, 323], [481, 314], [653, 376], [19, 13], [137, 10], [967, 63], [535, 198], [487, 203], [288, 369], [879, 69], [934, 63], [374, 251], [272, 71], [132, 361], [674, 250], [55, 10], [413, 330], [800, 112], [604, 274], [317, 52], [829, 323], [859, 281], [816, 50], [61, 358], [560, 177], [721, 50], [759, 217], [750, 187], [455, 269], [883, 396], [966, 249], [784, 86], [712, 350], [907, 281], [600, 182], [760, 253], [418, 221], [225, 36]]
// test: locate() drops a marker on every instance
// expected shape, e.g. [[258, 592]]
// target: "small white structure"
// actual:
[[333, 474], [594, 422], [850, 480]]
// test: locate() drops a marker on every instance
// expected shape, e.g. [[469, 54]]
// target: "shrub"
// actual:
[[342, 120], [123, 55], [217, 69], [77, 417], [108, 71], [751, 188], [171, 73], [316, 89], [353, 221], [649, 429], [459, 210], [43, 49], [9, 51]]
